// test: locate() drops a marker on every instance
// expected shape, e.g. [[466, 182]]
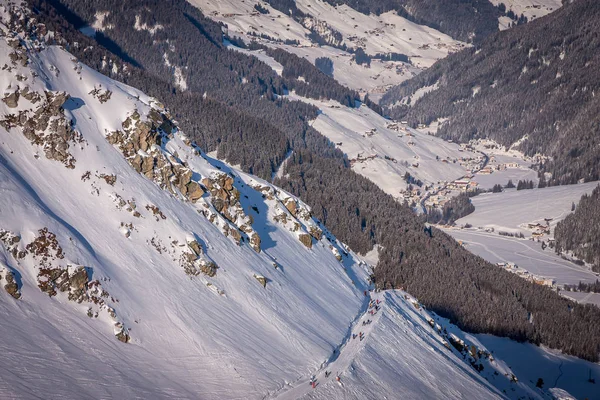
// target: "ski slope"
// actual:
[[147, 269], [383, 151], [375, 366]]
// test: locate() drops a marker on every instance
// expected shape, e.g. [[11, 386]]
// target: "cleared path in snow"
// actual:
[[343, 355]]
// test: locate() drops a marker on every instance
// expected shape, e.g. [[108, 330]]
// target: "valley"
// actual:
[[260, 200]]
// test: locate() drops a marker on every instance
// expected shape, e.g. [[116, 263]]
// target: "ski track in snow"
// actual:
[[342, 356]]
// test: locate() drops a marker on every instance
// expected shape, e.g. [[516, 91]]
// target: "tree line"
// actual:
[[579, 232]]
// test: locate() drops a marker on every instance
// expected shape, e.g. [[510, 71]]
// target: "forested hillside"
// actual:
[[579, 232], [476, 295], [537, 83], [463, 20]]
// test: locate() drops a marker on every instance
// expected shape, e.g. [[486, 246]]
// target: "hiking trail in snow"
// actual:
[[343, 355]]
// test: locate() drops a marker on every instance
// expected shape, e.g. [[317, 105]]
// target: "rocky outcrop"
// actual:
[[110, 179], [54, 279], [306, 240], [102, 96], [122, 333], [195, 261], [55, 276], [262, 280], [11, 99], [140, 142], [291, 206], [46, 126], [12, 243], [255, 242], [315, 232], [225, 199], [45, 248], [11, 285]]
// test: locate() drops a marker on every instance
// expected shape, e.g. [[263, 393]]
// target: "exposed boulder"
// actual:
[[11, 285], [109, 179], [291, 206], [262, 280], [195, 246], [32, 96], [316, 232], [306, 240], [12, 100], [194, 191], [255, 242], [121, 332], [195, 262], [208, 267]]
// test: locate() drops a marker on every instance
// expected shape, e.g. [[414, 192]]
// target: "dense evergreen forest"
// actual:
[[230, 106], [579, 232], [457, 207], [540, 79]]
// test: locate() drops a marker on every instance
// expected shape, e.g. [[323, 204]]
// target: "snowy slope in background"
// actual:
[[526, 206], [532, 9], [384, 151], [513, 211], [127, 243], [375, 34]]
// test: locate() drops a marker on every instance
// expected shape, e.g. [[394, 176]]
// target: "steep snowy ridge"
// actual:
[[133, 265]]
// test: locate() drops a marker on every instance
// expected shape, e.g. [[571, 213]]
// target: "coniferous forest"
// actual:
[[540, 80], [579, 232]]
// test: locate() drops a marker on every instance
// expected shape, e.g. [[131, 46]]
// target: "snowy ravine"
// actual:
[[132, 265]]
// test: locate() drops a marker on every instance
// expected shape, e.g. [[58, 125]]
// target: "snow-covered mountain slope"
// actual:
[[387, 33], [135, 266], [531, 9], [384, 151]]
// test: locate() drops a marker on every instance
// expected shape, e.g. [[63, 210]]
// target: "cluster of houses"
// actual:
[[523, 273], [464, 185], [538, 229]]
